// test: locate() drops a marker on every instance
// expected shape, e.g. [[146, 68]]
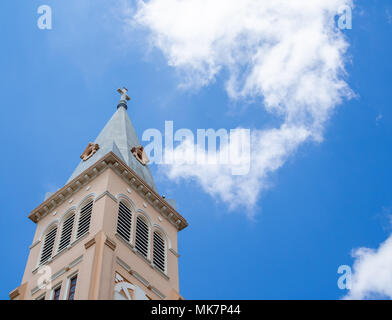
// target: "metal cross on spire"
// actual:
[[123, 93]]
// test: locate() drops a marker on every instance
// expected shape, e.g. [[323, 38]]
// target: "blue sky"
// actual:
[[327, 199]]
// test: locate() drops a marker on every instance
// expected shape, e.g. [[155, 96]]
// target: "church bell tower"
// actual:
[[107, 234]]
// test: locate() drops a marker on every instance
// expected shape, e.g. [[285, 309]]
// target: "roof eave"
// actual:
[[110, 160]]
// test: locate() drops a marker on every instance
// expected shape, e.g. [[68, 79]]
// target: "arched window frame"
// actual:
[[64, 218], [142, 215], [131, 208], [164, 238], [85, 201], [48, 229]]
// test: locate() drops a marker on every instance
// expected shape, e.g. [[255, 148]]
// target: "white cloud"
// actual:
[[372, 276], [271, 148], [389, 16], [379, 118], [287, 52]]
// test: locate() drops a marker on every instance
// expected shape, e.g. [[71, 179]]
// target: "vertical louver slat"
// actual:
[[48, 245], [159, 253], [142, 236], [66, 232], [84, 219], [124, 222]]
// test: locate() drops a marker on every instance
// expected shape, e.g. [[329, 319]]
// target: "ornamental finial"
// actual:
[[124, 98]]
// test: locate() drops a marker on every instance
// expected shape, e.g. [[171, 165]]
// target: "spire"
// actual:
[[118, 136]]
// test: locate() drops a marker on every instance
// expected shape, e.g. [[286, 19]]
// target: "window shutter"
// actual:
[[124, 222], [66, 232], [142, 236], [48, 245], [159, 252], [84, 219]]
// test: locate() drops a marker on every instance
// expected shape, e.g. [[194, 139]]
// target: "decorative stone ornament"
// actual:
[[124, 290], [140, 155], [91, 149]]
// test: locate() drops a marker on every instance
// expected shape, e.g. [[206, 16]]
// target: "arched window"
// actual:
[[66, 232], [84, 219], [142, 236], [124, 221], [159, 252], [48, 245]]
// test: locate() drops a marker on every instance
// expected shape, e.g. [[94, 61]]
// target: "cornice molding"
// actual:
[[75, 262], [158, 293], [34, 244], [106, 193], [123, 264], [110, 160], [174, 252]]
